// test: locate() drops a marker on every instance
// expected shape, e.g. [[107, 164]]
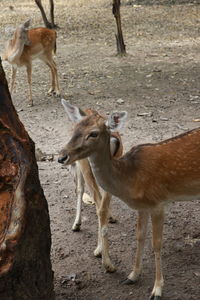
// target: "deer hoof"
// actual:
[[76, 227], [112, 220], [128, 281], [98, 252], [50, 92], [110, 268], [154, 297], [57, 93]]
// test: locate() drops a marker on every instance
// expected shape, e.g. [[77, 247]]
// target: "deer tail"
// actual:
[[55, 45]]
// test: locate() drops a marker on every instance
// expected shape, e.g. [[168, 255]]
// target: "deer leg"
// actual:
[[111, 219], [13, 77], [157, 229], [142, 223], [57, 88], [54, 77], [80, 190], [52, 88], [94, 191], [103, 232], [29, 73], [90, 181], [92, 186]]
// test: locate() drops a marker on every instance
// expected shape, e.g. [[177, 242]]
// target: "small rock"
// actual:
[[120, 101], [145, 114], [193, 97], [197, 274], [164, 119], [181, 127], [72, 276], [157, 70]]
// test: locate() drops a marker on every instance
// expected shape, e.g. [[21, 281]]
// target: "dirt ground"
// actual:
[[159, 83]]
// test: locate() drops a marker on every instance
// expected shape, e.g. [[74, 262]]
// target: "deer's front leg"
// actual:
[[140, 235], [157, 228], [79, 191], [103, 215]]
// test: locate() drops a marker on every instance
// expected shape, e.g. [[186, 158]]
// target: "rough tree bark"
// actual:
[[121, 48], [44, 17], [25, 237]]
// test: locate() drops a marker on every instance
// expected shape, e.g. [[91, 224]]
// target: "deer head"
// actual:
[[90, 133], [15, 45]]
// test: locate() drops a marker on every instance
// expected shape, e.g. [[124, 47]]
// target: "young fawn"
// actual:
[[27, 45], [146, 178], [84, 175]]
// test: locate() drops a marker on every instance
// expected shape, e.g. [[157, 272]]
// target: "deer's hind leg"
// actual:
[[55, 89], [94, 191], [93, 186], [102, 207]]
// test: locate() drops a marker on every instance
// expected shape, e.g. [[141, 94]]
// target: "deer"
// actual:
[[27, 45], [147, 178], [84, 175]]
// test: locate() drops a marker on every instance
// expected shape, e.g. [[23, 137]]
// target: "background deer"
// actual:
[[27, 45], [146, 178], [84, 175]]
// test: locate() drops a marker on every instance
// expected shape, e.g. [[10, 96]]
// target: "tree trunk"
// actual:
[[52, 13], [44, 17], [25, 237], [121, 48]]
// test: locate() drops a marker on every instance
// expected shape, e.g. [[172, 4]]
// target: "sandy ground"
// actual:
[[158, 82]]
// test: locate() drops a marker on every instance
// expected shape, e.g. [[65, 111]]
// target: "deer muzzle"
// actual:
[[63, 159]]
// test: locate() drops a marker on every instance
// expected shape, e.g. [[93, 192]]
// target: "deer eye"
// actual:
[[93, 134]]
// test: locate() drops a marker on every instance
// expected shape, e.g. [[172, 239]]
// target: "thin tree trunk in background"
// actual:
[[25, 237], [121, 48], [52, 13], [44, 17]]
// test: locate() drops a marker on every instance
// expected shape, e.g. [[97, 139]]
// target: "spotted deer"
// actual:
[[84, 175], [27, 45], [146, 178]]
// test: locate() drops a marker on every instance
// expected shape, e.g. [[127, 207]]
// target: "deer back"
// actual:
[[42, 44]]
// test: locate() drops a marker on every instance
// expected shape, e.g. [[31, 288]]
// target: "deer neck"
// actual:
[[107, 170]]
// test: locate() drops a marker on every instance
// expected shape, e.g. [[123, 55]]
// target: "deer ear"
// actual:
[[27, 23], [116, 120], [74, 113]]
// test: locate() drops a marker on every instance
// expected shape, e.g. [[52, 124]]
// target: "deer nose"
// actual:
[[62, 159]]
